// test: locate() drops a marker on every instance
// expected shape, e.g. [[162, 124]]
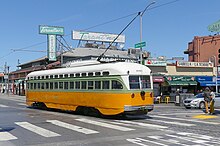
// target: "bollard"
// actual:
[[167, 99]]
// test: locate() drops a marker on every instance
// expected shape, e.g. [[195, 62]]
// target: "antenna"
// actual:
[[100, 57]]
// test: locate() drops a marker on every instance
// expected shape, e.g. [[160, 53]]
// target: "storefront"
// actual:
[[207, 81], [157, 81], [185, 84]]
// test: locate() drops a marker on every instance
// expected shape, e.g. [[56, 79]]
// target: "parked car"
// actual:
[[198, 101]]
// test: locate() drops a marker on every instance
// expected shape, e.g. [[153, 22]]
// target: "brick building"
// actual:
[[202, 49]]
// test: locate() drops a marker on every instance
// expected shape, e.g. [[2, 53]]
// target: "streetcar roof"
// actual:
[[115, 68]]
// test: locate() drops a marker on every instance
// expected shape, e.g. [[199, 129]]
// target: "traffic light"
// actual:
[[218, 56]]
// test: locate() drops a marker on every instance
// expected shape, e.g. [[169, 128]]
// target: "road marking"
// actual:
[[37, 130], [5, 136], [189, 120], [23, 104], [1, 105], [72, 127], [139, 141], [205, 116], [169, 122], [105, 125], [143, 124]]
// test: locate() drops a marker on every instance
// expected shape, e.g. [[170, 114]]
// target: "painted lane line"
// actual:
[[37, 130], [23, 104], [189, 120], [1, 105], [72, 127], [173, 123], [5, 136], [111, 126], [143, 124]]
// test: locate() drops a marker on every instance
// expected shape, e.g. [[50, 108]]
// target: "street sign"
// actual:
[[140, 45], [215, 27], [54, 30]]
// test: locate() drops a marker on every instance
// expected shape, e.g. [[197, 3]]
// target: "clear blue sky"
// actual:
[[167, 29]]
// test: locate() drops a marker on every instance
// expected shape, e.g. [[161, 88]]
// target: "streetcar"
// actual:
[[116, 88]]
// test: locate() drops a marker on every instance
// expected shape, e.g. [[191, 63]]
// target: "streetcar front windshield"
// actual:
[[139, 82]]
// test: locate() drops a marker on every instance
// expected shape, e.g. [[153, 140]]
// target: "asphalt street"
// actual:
[[166, 125]]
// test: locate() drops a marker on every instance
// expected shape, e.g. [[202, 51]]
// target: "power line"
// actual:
[[101, 24]]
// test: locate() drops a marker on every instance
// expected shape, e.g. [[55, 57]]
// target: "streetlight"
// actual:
[[216, 76], [141, 15]]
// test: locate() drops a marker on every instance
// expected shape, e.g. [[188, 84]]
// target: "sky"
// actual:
[[168, 25]]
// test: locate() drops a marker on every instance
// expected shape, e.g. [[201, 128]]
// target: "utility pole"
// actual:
[[141, 15]]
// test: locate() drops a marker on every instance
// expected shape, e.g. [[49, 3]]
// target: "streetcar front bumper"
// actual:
[[128, 109]]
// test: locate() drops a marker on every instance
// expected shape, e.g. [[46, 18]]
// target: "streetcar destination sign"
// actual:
[[53, 30]]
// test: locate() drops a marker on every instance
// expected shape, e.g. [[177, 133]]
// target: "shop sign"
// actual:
[[193, 64], [158, 79], [95, 36], [55, 30], [180, 78], [155, 63]]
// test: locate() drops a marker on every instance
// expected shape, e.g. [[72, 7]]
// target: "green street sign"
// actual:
[[53, 30], [140, 45], [215, 27]]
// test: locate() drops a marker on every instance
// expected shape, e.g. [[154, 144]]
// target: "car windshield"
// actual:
[[199, 95]]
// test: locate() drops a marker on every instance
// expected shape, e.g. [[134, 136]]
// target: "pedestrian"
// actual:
[[207, 98], [212, 102]]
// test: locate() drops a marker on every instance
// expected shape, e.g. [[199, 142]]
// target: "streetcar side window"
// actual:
[[97, 84], [90, 74], [71, 85], [66, 85], [105, 73], [51, 85], [90, 85], [116, 85], [83, 85], [47, 85], [60, 85], [97, 73], [55, 85], [77, 74], [71, 75], [35, 85], [66, 76], [134, 82], [145, 82], [38, 85], [42, 85], [83, 74], [105, 84], [77, 84]]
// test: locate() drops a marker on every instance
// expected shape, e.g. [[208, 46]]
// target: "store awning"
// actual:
[[182, 83], [208, 83]]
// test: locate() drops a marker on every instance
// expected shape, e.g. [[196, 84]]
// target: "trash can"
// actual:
[[177, 99]]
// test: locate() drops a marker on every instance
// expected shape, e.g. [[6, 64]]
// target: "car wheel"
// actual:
[[202, 105]]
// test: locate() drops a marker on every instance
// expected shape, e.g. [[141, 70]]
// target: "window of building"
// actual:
[[116, 85], [105, 84], [83, 85], [90, 84]]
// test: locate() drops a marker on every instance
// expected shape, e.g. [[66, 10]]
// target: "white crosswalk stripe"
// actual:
[[143, 124], [5, 136], [72, 127], [111, 126], [1, 105], [37, 130], [171, 122]]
